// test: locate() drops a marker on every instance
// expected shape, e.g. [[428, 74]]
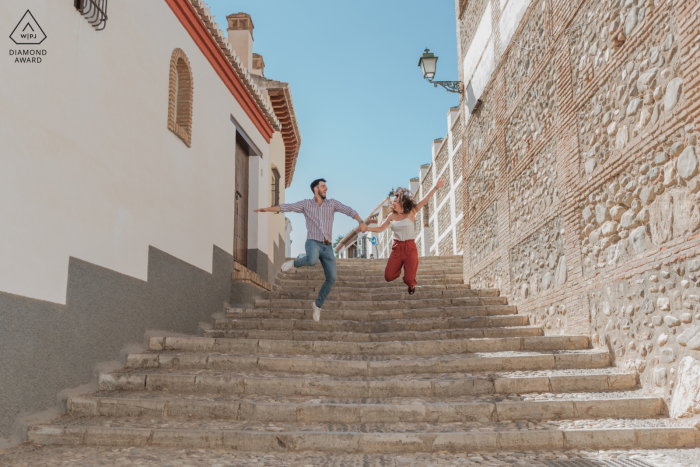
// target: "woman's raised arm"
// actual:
[[432, 191]]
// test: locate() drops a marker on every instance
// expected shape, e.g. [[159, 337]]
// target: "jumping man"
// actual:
[[319, 213]]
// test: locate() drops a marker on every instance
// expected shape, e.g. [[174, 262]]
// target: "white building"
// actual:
[[441, 222], [131, 159], [439, 225], [358, 245]]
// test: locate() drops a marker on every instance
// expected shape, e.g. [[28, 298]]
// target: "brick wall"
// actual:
[[581, 202]]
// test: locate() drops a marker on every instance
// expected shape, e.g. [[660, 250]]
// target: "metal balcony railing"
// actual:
[[94, 11]]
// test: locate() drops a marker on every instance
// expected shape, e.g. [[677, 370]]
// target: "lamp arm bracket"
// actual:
[[451, 86]]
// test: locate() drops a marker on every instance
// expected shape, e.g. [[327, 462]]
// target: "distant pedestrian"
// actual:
[[371, 256], [402, 221], [319, 213]]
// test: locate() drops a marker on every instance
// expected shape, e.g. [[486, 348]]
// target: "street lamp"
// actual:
[[428, 66]]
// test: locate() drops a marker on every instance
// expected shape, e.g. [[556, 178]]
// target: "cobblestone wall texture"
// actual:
[[482, 181], [447, 245], [589, 215], [444, 218], [443, 156], [445, 190], [459, 229], [483, 237], [491, 277], [458, 158], [534, 190]]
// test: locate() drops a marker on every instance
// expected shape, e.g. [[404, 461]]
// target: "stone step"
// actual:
[[405, 349], [368, 438], [279, 384], [380, 265], [399, 287], [475, 333], [376, 305], [395, 287], [372, 316], [287, 284], [344, 366], [307, 409], [347, 294], [371, 276], [406, 325], [362, 261]]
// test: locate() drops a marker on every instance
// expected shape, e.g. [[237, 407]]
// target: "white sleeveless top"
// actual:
[[403, 230]]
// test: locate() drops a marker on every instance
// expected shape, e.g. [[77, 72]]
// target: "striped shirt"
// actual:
[[319, 219]]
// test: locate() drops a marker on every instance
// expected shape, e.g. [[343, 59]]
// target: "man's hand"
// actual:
[[260, 210], [363, 227]]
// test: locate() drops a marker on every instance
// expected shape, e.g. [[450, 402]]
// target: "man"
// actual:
[[319, 213]]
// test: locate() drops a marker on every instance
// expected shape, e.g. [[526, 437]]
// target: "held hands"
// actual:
[[363, 227], [440, 183]]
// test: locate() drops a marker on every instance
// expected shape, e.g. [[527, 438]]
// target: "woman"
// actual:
[[402, 222]]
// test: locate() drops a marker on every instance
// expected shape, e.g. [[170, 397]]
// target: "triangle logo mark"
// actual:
[[28, 31]]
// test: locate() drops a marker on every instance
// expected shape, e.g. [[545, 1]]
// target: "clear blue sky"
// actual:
[[366, 116]]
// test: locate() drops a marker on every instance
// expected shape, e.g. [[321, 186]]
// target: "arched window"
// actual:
[[180, 99]]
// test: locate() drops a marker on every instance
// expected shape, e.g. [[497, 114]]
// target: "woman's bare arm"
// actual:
[[432, 191], [384, 225]]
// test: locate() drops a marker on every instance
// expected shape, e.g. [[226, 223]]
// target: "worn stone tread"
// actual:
[[360, 365], [397, 325], [386, 336], [493, 408], [394, 348], [369, 437], [370, 316], [407, 385], [361, 293], [379, 305], [31, 455]]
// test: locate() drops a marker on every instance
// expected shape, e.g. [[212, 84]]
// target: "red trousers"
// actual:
[[402, 254]]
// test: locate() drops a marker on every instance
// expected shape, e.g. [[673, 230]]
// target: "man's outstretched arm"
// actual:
[[292, 207], [270, 209], [350, 212]]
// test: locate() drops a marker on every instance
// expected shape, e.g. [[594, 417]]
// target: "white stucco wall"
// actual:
[[476, 49], [512, 14], [88, 168], [276, 222]]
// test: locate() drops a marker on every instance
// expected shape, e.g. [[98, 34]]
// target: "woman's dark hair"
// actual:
[[405, 199], [315, 183]]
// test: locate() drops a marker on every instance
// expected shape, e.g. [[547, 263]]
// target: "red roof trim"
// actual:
[[189, 18]]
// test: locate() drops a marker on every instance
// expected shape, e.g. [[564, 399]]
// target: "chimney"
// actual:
[[436, 146], [414, 185], [258, 65], [240, 36]]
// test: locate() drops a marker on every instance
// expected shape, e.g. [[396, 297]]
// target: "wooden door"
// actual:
[[240, 227]]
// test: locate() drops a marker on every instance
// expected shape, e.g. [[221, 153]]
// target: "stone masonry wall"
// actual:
[[581, 199]]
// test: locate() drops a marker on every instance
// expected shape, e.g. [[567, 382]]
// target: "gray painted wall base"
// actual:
[[47, 347], [258, 262]]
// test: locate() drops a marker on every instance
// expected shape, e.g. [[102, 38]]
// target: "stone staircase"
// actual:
[[447, 369]]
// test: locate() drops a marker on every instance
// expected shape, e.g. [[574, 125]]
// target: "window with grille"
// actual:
[[94, 11]]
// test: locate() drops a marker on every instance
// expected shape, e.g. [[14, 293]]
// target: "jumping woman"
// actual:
[[402, 222]]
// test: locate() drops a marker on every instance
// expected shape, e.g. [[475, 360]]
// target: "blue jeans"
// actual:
[[314, 251]]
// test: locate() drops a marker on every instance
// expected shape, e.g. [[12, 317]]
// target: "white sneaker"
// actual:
[[317, 312], [288, 266]]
